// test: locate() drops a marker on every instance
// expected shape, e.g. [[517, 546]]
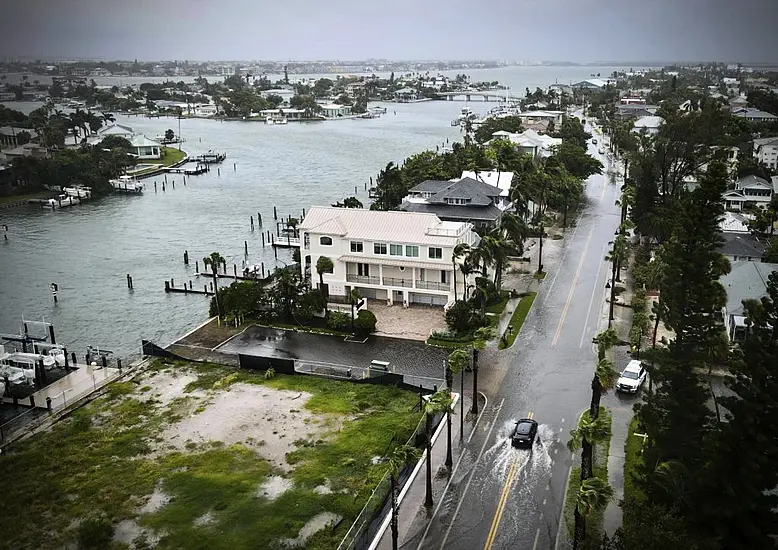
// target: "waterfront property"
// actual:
[[145, 148], [766, 151], [9, 136], [332, 110], [749, 191], [402, 257], [530, 142], [464, 200]]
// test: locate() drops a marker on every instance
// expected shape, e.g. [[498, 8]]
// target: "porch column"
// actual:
[[414, 277], [381, 274]]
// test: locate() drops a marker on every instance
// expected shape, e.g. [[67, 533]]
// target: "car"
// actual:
[[601, 151], [594, 141], [632, 377], [524, 433]]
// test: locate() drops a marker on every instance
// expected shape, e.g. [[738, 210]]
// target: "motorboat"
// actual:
[[127, 184], [378, 110], [276, 119], [25, 363], [16, 376], [78, 191]]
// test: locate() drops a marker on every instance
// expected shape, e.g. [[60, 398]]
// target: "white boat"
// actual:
[[466, 115], [378, 110], [61, 201], [127, 184], [25, 362], [276, 119], [78, 191], [17, 376]]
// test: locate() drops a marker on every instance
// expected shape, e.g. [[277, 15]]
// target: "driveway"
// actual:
[[406, 356], [414, 323]]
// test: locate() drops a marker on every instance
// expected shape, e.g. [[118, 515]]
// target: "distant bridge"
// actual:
[[486, 95]]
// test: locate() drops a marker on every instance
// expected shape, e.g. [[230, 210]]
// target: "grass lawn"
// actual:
[[17, 198], [171, 156], [633, 458], [600, 467], [437, 342], [539, 276], [517, 319], [499, 307], [96, 469]]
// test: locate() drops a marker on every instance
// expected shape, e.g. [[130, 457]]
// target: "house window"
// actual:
[[356, 246], [412, 251], [395, 250], [443, 276], [363, 269], [435, 253], [379, 248], [325, 241], [457, 200]]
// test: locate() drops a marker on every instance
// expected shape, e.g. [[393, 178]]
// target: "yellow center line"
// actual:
[[503, 499], [572, 289]]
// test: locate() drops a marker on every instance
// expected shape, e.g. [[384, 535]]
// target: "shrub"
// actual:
[[458, 317], [95, 533], [339, 320], [365, 322], [270, 373]]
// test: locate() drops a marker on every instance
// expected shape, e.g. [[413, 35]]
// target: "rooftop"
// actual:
[[372, 225], [746, 281], [742, 244]]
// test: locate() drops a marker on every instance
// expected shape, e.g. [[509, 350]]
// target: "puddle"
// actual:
[[322, 490], [157, 500], [205, 519], [126, 531], [314, 525], [273, 487]]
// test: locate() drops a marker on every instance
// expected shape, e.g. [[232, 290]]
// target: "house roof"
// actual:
[[765, 141], [752, 182], [479, 193], [430, 186], [14, 130], [649, 122], [754, 113], [115, 130], [405, 91], [373, 225], [746, 281], [733, 222], [540, 114], [742, 244], [143, 141], [454, 211], [596, 82], [395, 261], [501, 180]]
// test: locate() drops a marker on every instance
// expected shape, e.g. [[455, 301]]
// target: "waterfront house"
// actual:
[[750, 191], [289, 114], [742, 247], [766, 151], [333, 110], [745, 281], [530, 142], [464, 200], [590, 84], [115, 130], [207, 109], [145, 148], [399, 257], [26, 150], [754, 115], [8, 136], [738, 103], [405, 94], [541, 119]]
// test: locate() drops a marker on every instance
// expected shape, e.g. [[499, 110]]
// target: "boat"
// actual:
[[275, 119], [78, 191], [378, 110], [61, 201], [14, 375], [23, 364], [466, 115], [127, 184], [210, 158]]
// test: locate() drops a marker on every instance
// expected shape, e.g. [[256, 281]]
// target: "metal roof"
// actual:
[[746, 281]]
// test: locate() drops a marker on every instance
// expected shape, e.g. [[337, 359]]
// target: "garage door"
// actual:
[[427, 299]]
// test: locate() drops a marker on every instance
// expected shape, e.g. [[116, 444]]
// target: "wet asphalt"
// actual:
[[509, 498]]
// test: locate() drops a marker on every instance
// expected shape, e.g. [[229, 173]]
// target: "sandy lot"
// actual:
[[262, 418]]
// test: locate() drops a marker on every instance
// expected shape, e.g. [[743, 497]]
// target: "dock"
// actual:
[[199, 169], [284, 241], [236, 277], [210, 158], [187, 290]]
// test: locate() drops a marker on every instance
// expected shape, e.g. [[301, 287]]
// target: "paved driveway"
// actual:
[[406, 356]]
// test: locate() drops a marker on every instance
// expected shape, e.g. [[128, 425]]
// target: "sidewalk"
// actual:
[[413, 516]]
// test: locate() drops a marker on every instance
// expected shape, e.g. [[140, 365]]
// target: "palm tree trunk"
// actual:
[[540, 249], [395, 511], [428, 442], [613, 293], [449, 458], [587, 452], [216, 291], [475, 382], [580, 529], [594, 406], [455, 282]]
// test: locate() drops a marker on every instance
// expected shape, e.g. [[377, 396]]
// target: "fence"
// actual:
[[368, 522]]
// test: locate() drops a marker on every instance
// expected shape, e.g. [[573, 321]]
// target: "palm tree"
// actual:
[[618, 254], [108, 117], [433, 406], [502, 247], [604, 379], [589, 432], [446, 405], [481, 256], [324, 265], [457, 362], [481, 293], [594, 494], [460, 250], [515, 229], [401, 457], [467, 269], [481, 337], [214, 261]]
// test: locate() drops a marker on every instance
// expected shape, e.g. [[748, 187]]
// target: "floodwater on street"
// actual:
[[89, 249]]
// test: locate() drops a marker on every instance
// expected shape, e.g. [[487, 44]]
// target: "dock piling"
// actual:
[[259, 219], [234, 167], [174, 184], [48, 403], [119, 365], [275, 252], [129, 281], [167, 286], [165, 181], [263, 269], [190, 284], [73, 356], [186, 257], [172, 283], [252, 222], [235, 270], [197, 266], [246, 248], [275, 213], [263, 240], [155, 186], [355, 190], [218, 171]]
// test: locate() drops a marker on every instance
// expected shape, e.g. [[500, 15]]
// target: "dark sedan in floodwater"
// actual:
[[524, 433]]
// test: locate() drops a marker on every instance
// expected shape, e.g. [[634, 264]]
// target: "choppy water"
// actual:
[[88, 250]]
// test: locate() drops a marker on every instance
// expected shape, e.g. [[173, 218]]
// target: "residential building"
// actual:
[[738, 103], [145, 148], [333, 110], [745, 281], [399, 257], [766, 151], [530, 142], [115, 130], [207, 109], [742, 247], [531, 118], [290, 114], [590, 84], [405, 94], [648, 124], [750, 191], [354, 89], [562, 89], [7, 96], [754, 115], [627, 111], [8, 136], [735, 222], [26, 150], [464, 200]]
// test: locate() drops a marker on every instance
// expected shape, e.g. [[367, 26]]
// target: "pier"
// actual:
[[196, 171], [210, 158], [284, 241], [187, 290], [495, 96]]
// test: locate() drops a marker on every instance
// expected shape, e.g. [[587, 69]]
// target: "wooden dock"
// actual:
[[187, 290], [199, 169], [284, 241], [237, 277]]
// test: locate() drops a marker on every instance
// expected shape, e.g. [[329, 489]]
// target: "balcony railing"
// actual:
[[392, 281], [433, 285], [364, 279]]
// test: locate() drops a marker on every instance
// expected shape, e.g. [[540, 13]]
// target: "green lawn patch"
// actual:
[[24, 198], [96, 467], [539, 276], [499, 307], [171, 156], [517, 319], [633, 460], [441, 343], [600, 468]]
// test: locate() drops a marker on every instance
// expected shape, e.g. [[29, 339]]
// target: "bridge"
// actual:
[[486, 95]]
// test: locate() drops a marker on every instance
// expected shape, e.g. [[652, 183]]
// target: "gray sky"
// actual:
[[573, 30]]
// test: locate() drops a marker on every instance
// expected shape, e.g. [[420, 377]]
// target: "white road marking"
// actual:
[[562, 513], [594, 291], [537, 538]]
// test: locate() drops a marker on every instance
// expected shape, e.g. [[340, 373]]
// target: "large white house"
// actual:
[[530, 142], [766, 151], [749, 191], [399, 257]]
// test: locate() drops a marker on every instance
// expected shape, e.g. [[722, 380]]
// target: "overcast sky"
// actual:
[[572, 30]]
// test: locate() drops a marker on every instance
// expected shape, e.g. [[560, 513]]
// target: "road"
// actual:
[[508, 498]]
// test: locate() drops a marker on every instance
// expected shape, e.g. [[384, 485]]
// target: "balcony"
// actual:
[[363, 279], [432, 285], [392, 281]]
